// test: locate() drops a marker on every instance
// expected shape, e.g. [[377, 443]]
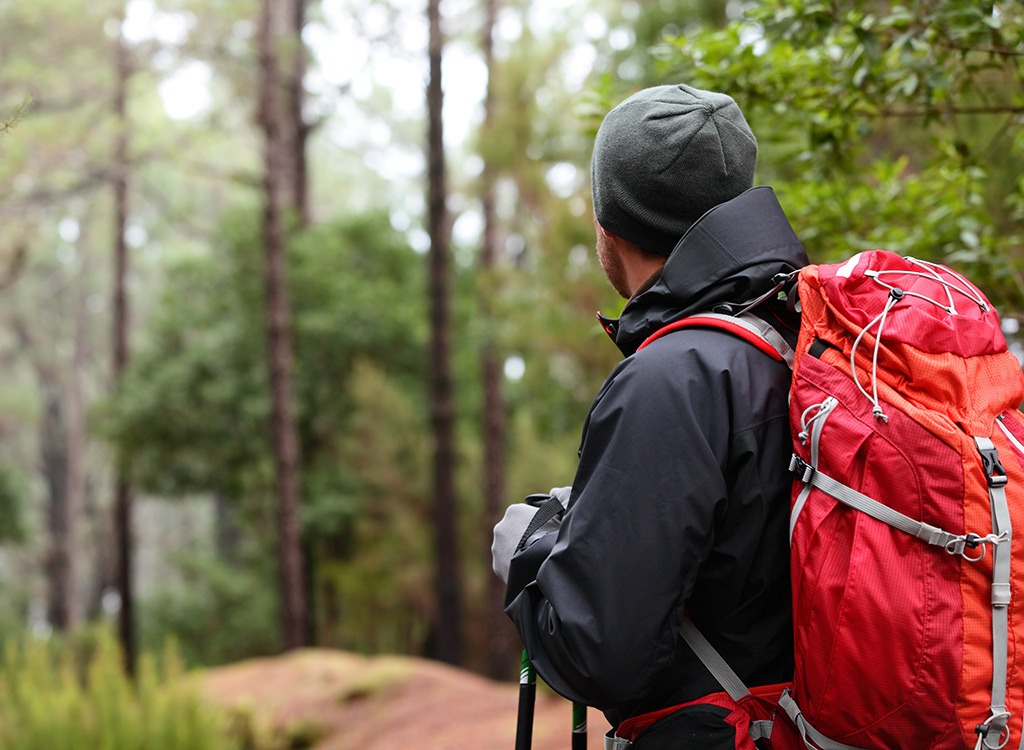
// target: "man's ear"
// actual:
[[615, 240]]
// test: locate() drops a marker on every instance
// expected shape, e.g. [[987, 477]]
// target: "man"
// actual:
[[680, 503]]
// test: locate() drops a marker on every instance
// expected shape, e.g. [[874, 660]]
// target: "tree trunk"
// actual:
[[75, 441], [61, 442], [53, 451], [298, 130], [123, 497], [500, 643], [280, 360], [448, 627]]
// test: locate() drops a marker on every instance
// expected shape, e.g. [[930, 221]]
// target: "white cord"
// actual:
[[932, 272], [876, 409]]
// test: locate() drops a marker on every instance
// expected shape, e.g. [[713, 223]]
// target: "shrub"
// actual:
[[63, 695]]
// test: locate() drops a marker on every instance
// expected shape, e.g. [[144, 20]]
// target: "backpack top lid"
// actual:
[[916, 326], [940, 311]]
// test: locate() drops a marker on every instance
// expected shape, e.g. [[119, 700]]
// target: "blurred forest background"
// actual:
[[297, 295]]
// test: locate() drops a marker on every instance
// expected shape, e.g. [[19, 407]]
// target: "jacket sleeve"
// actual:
[[597, 602]]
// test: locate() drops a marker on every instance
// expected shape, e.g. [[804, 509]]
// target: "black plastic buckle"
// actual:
[[994, 471], [800, 468]]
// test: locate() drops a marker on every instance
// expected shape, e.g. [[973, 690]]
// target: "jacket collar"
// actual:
[[730, 255]]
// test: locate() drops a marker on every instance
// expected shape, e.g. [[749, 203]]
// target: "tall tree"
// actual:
[[280, 358], [448, 582], [499, 640], [63, 164], [194, 414], [296, 129], [123, 497], [61, 448]]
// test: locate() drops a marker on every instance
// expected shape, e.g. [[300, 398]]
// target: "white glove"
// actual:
[[510, 529]]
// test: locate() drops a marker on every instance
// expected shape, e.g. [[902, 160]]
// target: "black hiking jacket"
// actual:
[[681, 498]]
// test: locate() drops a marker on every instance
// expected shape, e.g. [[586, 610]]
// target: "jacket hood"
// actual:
[[730, 255]]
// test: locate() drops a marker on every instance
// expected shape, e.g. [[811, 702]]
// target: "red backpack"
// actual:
[[907, 576]]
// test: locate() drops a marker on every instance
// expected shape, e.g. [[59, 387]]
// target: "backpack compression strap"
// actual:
[[745, 325], [721, 671], [993, 729], [990, 732]]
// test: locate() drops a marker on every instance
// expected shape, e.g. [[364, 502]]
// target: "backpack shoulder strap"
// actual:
[[746, 326], [737, 690], [713, 661]]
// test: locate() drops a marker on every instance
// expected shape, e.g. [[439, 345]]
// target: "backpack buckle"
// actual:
[[801, 469], [994, 471]]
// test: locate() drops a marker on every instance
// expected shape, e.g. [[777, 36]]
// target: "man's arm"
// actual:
[[598, 601]]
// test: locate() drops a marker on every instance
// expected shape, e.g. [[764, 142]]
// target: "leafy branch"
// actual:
[[897, 129], [10, 123]]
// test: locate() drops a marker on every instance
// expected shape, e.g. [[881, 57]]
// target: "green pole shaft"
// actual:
[[579, 726], [527, 699]]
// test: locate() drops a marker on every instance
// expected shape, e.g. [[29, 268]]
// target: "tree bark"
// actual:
[[123, 495], [61, 445], [500, 643], [59, 561], [448, 627], [280, 359], [298, 129]]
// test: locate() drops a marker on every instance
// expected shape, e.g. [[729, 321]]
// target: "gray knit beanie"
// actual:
[[665, 156]]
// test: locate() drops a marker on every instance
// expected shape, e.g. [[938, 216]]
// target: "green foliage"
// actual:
[[890, 124], [639, 29], [250, 729], [193, 416], [546, 285], [194, 409], [376, 587], [56, 696], [223, 612]]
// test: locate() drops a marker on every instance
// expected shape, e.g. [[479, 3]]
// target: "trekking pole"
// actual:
[[527, 698], [579, 726]]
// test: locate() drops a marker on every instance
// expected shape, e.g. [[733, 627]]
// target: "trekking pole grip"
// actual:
[[579, 726]]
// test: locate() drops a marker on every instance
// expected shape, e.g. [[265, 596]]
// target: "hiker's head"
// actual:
[[664, 157]]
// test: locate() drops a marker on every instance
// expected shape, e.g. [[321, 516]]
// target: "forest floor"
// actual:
[[333, 700]]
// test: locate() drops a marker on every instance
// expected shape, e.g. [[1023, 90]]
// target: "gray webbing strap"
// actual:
[[733, 685], [773, 337], [721, 671], [813, 739], [881, 512], [1020, 447], [760, 328], [611, 742], [991, 730], [729, 680], [824, 409]]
